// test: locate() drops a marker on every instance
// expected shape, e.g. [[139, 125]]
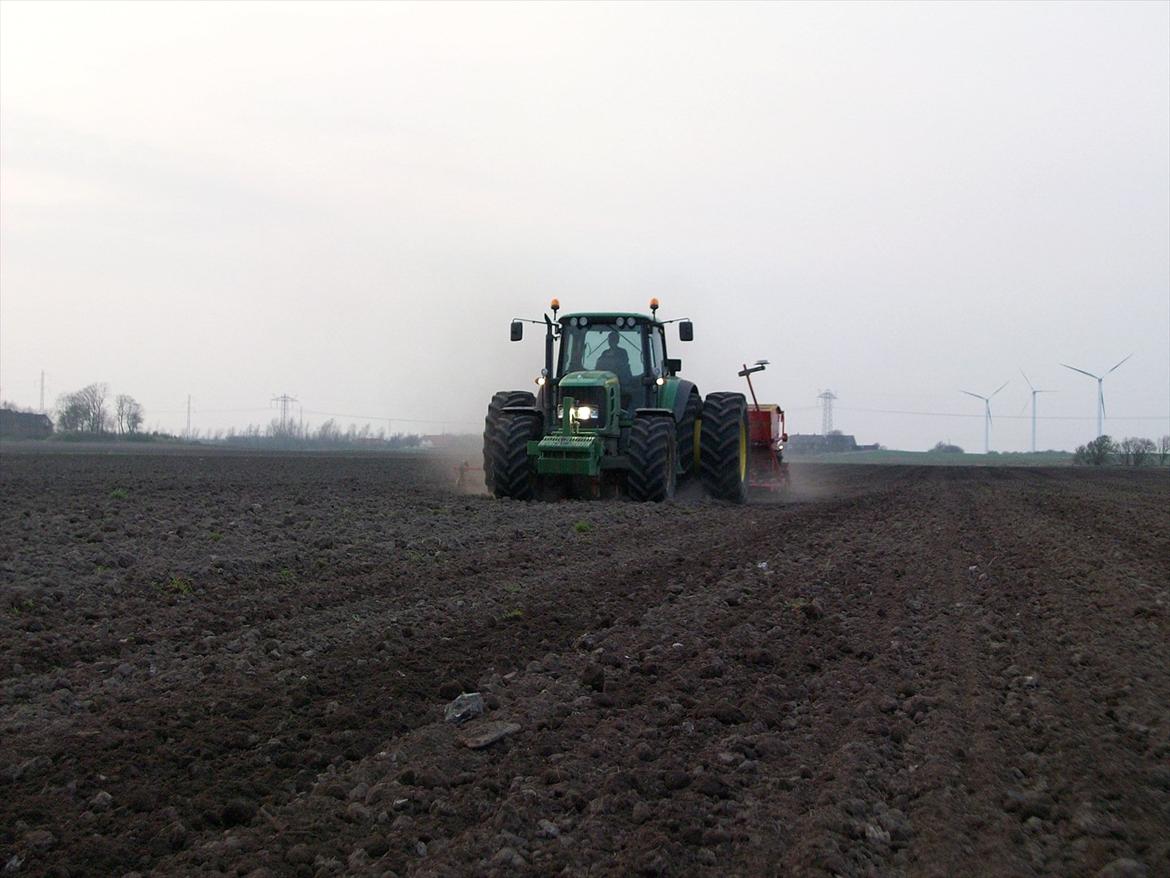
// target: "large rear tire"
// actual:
[[688, 435], [500, 400], [724, 447], [507, 450], [653, 446]]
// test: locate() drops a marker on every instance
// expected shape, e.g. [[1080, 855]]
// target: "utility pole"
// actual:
[[42, 391], [826, 399], [188, 417], [285, 401]]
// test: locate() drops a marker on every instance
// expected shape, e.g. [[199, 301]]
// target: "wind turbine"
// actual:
[[1100, 392], [987, 415], [1034, 392]]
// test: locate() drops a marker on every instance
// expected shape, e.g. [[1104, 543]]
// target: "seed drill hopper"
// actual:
[[768, 434]]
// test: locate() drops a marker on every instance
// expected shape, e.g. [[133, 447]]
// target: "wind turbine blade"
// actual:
[[1119, 364], [1001, 387], [976, 395], [1082, 371], [1026, 381], [1101, 398]]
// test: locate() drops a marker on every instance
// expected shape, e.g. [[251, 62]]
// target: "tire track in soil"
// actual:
[[891, 782], [1079, 657], [948, 701]]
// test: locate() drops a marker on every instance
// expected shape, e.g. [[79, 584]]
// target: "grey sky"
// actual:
[[348, 202]]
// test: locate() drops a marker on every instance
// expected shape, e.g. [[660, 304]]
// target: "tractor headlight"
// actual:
[[585, 413], [540, 380], [659, 380]]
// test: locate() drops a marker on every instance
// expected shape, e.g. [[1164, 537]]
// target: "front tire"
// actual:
[[653, 445], [507, 451], [724, 447]]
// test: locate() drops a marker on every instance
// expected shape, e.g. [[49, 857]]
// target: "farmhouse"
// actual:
[[24, 425]]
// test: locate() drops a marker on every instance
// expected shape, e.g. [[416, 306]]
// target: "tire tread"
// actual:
[[652, 448], [723, 413]]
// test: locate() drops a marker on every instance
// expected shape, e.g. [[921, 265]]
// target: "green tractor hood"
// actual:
[[576, 449]]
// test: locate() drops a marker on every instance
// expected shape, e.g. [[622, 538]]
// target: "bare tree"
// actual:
[[1135, 450], [1097, 452], [1125, 450], [1163, 450], [127, 414], [70, 413], [1145, 451], [83, 411], [93, 400], [329, 432]]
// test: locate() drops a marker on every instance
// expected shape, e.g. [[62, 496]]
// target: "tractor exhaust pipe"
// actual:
[[548, 368]]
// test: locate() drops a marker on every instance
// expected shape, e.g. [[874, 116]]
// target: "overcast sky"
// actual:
[[348, 202]]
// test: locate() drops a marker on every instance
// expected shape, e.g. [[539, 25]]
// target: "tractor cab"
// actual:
[[630, 347]]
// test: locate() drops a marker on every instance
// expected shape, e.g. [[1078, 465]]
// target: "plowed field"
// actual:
[[239, 664]]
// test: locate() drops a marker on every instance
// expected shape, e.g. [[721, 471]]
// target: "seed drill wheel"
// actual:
[[499, 401], [724, 447], [653, 446], [506, 451]]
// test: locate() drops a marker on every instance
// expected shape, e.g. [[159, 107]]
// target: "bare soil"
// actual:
[[239, 664]]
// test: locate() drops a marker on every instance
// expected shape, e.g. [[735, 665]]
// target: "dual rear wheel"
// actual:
[[500, 400], [506, 453], [656, 444]]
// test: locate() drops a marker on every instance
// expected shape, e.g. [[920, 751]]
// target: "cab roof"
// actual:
[[604, 316]]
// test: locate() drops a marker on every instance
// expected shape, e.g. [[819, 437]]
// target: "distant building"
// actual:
[[817, 443], [24, 425]]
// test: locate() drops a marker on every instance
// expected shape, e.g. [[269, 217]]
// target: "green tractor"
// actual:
[[611, 417]]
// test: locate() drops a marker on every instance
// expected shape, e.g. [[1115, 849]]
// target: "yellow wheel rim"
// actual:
[[742, 451]]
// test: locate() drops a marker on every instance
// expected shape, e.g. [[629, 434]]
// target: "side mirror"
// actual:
[[673, 366], [517, 330], [686, 331]]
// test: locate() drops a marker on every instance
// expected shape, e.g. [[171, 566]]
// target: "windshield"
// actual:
[[604, 347]]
